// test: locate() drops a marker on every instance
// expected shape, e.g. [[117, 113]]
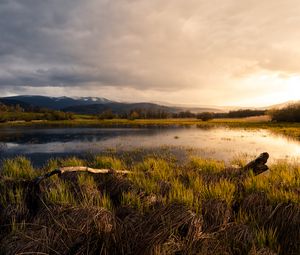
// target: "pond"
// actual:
[[219, 143]]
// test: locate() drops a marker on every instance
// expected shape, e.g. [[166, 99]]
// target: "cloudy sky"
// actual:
[[229, 52]]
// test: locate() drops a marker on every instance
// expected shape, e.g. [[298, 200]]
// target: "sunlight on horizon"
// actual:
[[280, 89]]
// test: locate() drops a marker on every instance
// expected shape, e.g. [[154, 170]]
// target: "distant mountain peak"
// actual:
[[93, 99]]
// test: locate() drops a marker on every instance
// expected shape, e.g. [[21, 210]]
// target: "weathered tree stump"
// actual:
[[258, 165]]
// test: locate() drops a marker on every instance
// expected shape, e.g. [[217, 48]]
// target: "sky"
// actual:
[[196, 52]]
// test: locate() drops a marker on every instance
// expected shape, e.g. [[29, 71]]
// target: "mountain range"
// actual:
[[92, 105], [96, 105]]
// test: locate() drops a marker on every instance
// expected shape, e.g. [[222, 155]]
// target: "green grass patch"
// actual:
[[107, 162], [17, 168]]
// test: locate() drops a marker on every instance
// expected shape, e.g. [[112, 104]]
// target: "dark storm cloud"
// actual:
[[207, 46], [32, 42], [30, 29]]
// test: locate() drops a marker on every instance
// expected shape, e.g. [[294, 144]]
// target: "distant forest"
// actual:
[[290, 113]]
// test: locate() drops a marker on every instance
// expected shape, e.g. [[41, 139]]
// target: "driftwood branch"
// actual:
[[69, 169]]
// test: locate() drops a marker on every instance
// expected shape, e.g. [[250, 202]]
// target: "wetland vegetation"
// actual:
[[149, 127], [164, 206]]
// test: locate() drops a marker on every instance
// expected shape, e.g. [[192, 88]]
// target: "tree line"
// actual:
[[290, 113], [140, 113], [17, 113], [231, 114]]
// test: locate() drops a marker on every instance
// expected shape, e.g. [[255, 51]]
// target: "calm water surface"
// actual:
[[219, 143]]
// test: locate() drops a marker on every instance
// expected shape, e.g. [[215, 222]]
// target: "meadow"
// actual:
[[163, 206]]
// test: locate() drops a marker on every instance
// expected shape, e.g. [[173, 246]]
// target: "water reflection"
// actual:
[[220, 143]]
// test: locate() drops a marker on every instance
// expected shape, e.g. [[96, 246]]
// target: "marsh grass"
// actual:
[[180, 193], [132, 199], [17, 168], [281, 184], [107, 162], [89, 195], [207, 165], [223, 190], [71, 161], [163, 207], [106, 202], [267, 238], [60, 193]]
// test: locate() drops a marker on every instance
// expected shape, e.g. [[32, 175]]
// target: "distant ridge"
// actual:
[[93, 105]]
